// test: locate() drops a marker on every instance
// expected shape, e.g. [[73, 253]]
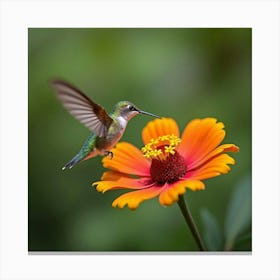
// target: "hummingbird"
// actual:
[[106, 129]]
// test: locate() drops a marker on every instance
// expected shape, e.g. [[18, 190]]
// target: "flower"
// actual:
[[167, 165]]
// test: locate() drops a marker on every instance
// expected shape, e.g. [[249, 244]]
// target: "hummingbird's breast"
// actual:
[[115, 133]]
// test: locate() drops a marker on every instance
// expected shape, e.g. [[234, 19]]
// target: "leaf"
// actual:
[[212, 233], [239, 212]]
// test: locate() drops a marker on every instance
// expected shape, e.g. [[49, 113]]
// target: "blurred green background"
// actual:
[[181, 73]]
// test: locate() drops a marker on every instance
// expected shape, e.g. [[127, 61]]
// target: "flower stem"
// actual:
[[189, 219]]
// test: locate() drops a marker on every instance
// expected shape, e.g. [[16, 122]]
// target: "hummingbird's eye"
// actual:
[[131, 108]]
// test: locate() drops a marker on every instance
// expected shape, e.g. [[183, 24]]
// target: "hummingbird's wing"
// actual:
[[92, 115]]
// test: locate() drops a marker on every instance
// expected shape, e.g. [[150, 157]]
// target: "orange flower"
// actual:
[[167, 165]]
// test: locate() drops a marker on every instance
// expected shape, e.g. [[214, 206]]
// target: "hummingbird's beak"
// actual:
[[148, 114]]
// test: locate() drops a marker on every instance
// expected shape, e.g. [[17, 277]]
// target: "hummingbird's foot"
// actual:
[[109, 153]]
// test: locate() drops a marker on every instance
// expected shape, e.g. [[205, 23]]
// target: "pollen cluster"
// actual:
[[161, 147]]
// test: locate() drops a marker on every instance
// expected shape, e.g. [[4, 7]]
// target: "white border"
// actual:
[[17, 16]]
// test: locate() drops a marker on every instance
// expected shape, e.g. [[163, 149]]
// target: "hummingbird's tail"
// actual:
[[76, 159], [82, 155], [87, 151]]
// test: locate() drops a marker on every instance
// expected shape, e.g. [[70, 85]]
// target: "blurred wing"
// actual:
[[92, 115]]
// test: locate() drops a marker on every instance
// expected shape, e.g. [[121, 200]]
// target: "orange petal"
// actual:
[[159, 127], [221, 149], [128, 159], [171, 193], [115, 180], [214, 167], [199, 138], [133, 199]]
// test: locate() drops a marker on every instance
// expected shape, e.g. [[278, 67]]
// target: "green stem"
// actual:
[[189, 219]]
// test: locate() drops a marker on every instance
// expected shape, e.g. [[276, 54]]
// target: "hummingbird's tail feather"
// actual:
[[87, 151], [76, 159]]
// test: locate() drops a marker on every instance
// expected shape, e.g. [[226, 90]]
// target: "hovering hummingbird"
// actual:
[[106, 129]]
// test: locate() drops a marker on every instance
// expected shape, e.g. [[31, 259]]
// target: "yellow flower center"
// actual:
[[167, 164], [161, 147]]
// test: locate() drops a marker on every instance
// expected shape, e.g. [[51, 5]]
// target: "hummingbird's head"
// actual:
[[128, 110]]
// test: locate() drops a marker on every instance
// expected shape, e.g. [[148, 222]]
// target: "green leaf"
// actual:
[[212, 233], [239, 212]]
